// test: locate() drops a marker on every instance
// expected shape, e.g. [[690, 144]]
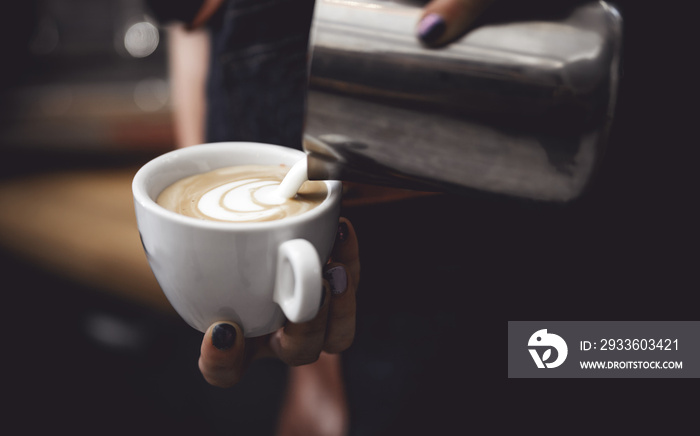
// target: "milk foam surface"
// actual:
[[245, 193]]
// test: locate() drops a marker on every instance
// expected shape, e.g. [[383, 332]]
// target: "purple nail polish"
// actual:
[[431, 28], [223, 336], [338, 279]]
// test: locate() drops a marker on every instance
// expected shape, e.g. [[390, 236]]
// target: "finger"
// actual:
[[443, 21], [222, 354], [342, 311], [346, 249], [301, 343]]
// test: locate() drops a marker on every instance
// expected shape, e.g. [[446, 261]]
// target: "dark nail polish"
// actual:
[[338, 279], [343, 231], [431, 28], [223, 336]]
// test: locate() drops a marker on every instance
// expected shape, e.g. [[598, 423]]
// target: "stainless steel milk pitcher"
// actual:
[[521, 108]]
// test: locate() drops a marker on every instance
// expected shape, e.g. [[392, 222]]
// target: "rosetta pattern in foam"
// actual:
[[245, 193], [241, 201]]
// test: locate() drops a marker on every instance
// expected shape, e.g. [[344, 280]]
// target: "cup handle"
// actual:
[[298, 284]]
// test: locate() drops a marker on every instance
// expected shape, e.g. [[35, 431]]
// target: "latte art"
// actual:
[[245, 193], [237, 201]]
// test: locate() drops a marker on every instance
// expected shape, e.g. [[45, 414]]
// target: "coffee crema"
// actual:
[[244, 193]]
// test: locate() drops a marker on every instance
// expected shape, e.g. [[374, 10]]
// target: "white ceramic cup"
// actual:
[[255, 274]]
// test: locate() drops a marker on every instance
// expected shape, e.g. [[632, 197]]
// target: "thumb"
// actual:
[[443, 21], [221, 361]]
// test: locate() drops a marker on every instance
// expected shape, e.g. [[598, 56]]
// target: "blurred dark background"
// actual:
[[84, 87], [84, 77]]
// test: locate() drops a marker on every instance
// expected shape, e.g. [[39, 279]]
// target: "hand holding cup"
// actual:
[[255, 279]]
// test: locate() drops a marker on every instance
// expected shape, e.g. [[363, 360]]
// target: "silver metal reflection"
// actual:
[[520, 108]]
